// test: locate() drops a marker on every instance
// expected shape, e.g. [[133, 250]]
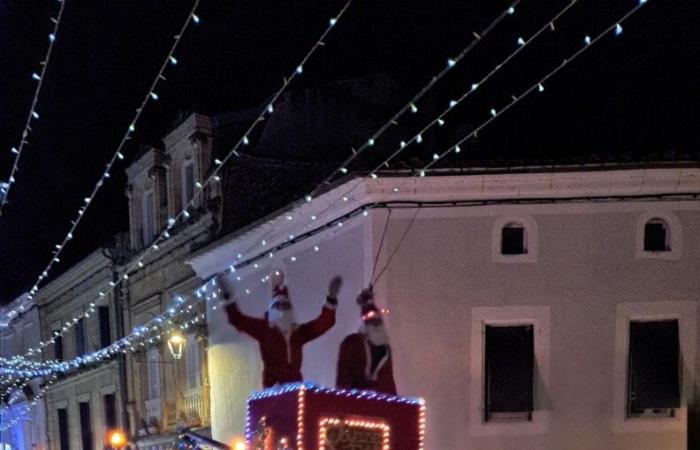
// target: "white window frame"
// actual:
[[147, 239], [539, 318], [193, 362], [530, 235], [183, 180], [686, 314], [153, 374], [674, 236]]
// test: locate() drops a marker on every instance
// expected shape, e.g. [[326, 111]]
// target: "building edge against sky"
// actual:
[[586, 274]]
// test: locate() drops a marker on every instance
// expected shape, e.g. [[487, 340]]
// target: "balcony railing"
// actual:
[[196, 406]]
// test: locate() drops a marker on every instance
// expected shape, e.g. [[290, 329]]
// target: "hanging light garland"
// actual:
[[208, 291], [118, 155], [199, 185], [5, 187]]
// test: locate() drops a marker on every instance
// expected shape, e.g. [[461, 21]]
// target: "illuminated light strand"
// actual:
[[440, 119], [517, 99], [17, 151], [410, 106], [537, 86], [6, 425], [201, 186], [300, 417], [118, 155]]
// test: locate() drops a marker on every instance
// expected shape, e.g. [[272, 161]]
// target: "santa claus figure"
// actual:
[[364, 359], [280, 338]]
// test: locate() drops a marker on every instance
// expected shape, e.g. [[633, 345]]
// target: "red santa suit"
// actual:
[[362, 364], [282, 352]]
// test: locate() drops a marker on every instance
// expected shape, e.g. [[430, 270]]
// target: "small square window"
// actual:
[[656, 236], [509, 373], [653, 381], [513, 240]]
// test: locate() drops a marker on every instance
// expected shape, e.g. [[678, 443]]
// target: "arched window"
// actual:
[[657, 236], [513, 239]]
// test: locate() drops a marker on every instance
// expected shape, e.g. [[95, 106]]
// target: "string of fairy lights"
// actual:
[[439, 120], [342, 169], [214, 177], [153, 330], [33, 115], [200, 186], [151, 95]]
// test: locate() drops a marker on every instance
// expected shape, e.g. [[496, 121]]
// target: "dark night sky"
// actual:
[[638, 93]]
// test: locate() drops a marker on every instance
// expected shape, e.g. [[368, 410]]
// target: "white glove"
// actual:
[[224, 292]]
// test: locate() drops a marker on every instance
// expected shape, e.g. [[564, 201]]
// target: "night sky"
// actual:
[[637, 94]]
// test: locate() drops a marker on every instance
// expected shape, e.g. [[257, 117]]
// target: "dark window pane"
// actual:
[[57, 346], [63, 429], [655, 238], [654, 360], [110, 411], [513, 241], [80, 338], [85, 425], [105, 335], [509, 367]]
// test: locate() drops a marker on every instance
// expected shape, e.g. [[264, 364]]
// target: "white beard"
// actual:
[[284, 320], [376, 334]]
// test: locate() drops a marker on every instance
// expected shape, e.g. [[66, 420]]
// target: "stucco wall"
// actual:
[[444, 280]]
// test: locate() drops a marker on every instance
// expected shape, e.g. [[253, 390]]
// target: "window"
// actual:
[[194, 366], [508, 372], [63, 429], [80, 337], [85, 425], [148, 218], [656, 236], [105, 335], [653, 378], [513, 239], [153, 362], [110, 410], [57, 346], [187, 182]]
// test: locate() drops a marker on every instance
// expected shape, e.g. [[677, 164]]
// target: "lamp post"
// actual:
[[176, 343]]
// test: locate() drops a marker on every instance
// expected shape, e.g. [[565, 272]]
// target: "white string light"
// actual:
[[39, 77], [198, 188], [522, 44], [539, 84], [142, 332], [409, 106], [150, 95]]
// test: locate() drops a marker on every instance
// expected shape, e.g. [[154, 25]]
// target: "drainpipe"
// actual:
[[118, 252]]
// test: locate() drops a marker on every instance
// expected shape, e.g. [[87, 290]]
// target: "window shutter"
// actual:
[[513, 241], [509, 369], [105, 335], [655, 237], [654, 361]]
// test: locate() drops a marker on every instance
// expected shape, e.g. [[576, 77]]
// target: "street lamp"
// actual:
[[176, 343], [117, 439]]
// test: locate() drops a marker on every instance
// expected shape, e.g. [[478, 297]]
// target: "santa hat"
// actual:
[[368, 310]]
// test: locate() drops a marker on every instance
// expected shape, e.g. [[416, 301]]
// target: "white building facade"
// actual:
[[22, 422], [536, 310]]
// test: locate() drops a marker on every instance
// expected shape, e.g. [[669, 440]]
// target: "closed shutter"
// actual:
[[509, 367], [654, 361]]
